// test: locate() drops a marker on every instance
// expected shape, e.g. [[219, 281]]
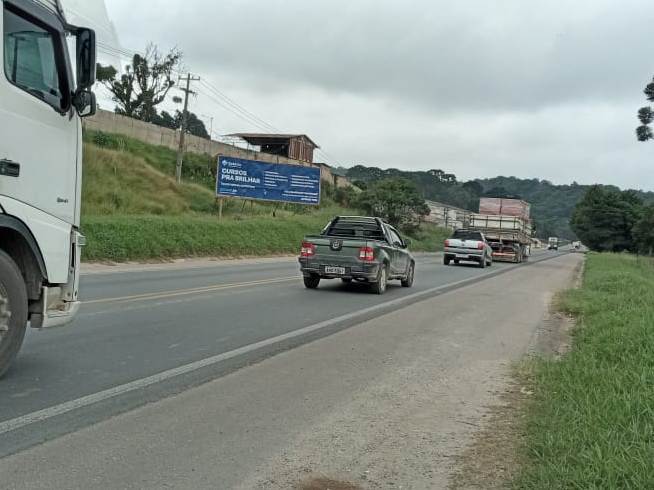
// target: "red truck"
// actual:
[[506, 225]]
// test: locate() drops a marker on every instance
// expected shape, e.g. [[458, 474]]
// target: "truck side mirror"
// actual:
[[85, 103], [86, 58]]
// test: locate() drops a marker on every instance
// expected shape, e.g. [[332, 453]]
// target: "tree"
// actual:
[[474, 187], [644, 230], [194, 125], [605, 217], [145, 83], [646, 115], [395, 200]]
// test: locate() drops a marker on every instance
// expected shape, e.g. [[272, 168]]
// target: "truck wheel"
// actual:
[[408, 281], [13, 311], [312, 281], [446, 260], [379, 287], [482, 262]]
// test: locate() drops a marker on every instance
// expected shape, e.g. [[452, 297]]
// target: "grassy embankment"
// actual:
[[133, 210], [591, 422]]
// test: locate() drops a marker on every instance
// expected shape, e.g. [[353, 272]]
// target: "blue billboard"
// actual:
[[250, 179]]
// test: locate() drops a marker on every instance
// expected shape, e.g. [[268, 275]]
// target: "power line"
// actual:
[[237, 106], [218, 97]]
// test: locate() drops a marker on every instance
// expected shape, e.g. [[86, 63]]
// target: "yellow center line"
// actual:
[[183, 292]]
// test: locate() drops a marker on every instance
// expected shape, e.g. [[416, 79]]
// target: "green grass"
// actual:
[[591, 423], [199, 169], [144, 237]]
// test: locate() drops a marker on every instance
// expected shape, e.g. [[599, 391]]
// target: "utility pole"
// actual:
[[182, 136]]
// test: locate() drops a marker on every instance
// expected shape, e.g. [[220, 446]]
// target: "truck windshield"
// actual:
[[29, 59], [467, 235]]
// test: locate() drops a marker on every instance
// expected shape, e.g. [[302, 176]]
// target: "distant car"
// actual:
[[357, 248], [468, 246]]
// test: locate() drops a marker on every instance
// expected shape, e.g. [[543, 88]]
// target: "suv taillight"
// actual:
[[308, 250], [367, 254], [480, 245]]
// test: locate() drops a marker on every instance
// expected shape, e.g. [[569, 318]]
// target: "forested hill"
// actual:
[[552, 205]]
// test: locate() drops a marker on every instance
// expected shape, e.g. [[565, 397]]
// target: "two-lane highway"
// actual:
[[145, 334]]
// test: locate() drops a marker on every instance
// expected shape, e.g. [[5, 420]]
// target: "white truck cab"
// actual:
[[43, 95]]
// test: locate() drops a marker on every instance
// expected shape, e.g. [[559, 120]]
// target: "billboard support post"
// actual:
[[220, 209]]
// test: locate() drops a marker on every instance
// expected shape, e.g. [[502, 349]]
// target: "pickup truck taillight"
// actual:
[[308, 250], [367, 254], [447, 243], [480, 246]]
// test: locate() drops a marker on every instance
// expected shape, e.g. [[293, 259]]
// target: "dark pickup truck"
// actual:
[[357, 248]]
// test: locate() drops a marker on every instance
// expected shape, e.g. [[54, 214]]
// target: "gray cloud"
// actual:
[[535, 89]]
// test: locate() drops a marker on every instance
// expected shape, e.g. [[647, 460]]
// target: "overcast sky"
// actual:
[[477, 88]]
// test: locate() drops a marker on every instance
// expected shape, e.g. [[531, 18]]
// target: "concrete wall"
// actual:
[[110, 122]]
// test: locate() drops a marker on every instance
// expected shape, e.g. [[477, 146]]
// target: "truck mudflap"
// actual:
[[60, 304], [60, 317]]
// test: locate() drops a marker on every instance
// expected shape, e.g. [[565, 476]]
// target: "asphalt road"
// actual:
[[144, 335]]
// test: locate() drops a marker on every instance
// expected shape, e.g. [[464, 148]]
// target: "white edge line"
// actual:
[[69, 406]]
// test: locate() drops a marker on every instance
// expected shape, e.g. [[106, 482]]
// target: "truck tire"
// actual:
[[482, 262], [312, 281], [407, 282], [379, 286], [13, 311], [446, 260]]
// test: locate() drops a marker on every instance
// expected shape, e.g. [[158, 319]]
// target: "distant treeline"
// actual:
[[552, 205]]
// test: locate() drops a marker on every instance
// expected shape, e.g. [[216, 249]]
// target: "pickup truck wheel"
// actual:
[[408, 281], [482, 263], [379, 287], [457, 261], [311, 282], [13, 311], [446, 260]]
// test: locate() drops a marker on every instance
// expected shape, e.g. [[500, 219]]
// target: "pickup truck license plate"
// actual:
[[335, 270], [461, 256]]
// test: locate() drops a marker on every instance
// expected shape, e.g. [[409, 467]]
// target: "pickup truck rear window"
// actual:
[[467, 235], [355, 229]]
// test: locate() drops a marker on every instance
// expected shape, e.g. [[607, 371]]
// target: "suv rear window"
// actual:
[[467, 235]]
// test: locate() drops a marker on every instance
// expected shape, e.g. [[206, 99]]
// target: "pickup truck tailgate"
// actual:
[[337, 251]]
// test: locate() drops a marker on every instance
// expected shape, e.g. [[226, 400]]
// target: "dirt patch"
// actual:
[[327, 484], [492, 460]]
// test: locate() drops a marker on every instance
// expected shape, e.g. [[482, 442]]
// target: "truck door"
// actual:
[[38, 154]]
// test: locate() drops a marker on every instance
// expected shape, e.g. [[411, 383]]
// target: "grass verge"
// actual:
[[590, 423], [148, 237]]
